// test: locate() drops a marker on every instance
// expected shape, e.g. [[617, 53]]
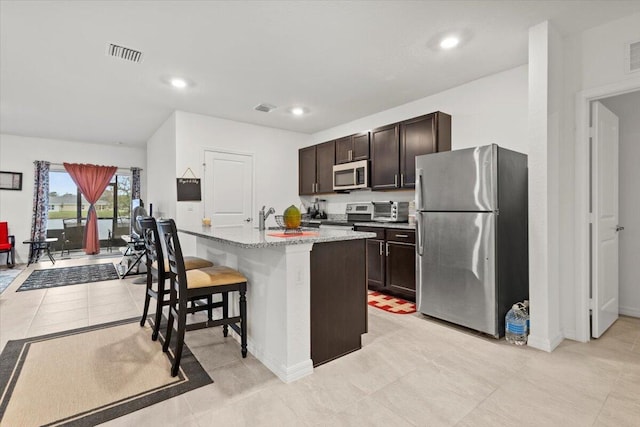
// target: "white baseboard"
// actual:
[[544, 344], [570, 334], [629, 311], [286, 373]]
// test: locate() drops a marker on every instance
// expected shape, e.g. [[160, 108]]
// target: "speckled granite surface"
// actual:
[[249, 237], [401, 225]]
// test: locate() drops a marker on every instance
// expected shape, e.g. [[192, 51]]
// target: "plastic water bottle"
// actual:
[[515, 324], [526, 310]]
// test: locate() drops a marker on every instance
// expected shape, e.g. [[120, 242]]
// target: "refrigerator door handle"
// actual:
[[420, 245], [419, 206]]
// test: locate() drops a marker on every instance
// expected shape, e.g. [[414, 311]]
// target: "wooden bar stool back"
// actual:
[[199, 283], [158, 266]]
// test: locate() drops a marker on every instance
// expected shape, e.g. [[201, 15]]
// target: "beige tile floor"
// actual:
[[411, 371]]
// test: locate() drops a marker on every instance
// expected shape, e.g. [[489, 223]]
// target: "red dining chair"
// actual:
[[7, 244]]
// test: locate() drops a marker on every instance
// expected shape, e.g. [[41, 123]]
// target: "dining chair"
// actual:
[[206, 282], [158, 267], [7, 244]]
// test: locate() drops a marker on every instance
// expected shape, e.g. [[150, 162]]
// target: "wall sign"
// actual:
[[10, 180], [189, 188]]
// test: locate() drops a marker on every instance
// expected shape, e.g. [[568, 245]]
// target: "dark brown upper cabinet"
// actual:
[[385, 148], [418, 136], [394, 149], [307, 170], [352, 148], [315, 168]]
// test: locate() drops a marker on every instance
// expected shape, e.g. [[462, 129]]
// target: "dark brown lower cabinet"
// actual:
[[391, 261], [338, 299], [401, 269], [376, 261]]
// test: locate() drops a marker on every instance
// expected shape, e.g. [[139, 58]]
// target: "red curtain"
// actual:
[[92, 181]]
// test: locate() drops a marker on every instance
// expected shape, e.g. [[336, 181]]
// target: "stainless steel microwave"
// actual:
[[351, 176]]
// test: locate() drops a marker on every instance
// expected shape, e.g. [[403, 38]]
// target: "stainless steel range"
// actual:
[[355, 212]]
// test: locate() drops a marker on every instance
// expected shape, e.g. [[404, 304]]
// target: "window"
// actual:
[[68, 209]]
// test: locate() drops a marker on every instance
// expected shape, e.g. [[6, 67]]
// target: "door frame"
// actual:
[[582, 214], [253, 176]]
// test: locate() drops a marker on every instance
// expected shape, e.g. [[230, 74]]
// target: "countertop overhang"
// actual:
[[248, 237]]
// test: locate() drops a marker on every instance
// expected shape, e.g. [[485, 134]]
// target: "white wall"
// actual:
[[275, 155], [489, 110], [593, 61], [545, 118], [627, 108], [17, 154], [161, 156]]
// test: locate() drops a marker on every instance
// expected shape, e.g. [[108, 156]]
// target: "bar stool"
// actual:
[[186, 285], [158, 265]]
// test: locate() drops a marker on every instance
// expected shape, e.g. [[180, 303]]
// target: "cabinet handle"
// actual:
[[317, 187], [381, 252], [387, 244], [395, 180], [313, 187], [402, 235], [401, 180], [350, 155]]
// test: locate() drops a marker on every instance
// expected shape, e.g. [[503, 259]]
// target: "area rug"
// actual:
[[7, 276], [52, 277], [390, 304], [89, 376]]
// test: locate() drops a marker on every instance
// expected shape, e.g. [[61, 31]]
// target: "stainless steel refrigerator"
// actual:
[[472, 246]]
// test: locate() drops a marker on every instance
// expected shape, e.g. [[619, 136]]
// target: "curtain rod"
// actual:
[[119, 167]]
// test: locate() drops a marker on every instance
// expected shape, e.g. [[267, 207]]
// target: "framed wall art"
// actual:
[[10, 180]]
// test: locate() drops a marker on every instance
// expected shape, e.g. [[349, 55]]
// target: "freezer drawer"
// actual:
[[456, 268], [461, 180]]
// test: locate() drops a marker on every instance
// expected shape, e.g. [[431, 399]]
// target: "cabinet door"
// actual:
[[384, 158], [401, 269], [306, 170], [360, 144], [325, 159], [343, 150], [375, 263], [417, 137]]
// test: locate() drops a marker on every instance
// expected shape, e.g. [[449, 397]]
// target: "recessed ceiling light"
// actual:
[[449, 42], [178, 82], [297, 111]]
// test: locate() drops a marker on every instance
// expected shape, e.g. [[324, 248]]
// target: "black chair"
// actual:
[[186, 285], [157, 266]]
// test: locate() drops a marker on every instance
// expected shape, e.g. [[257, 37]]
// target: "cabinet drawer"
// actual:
[[403, 236], [379, 231]]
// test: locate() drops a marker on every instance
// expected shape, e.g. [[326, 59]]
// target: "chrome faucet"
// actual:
[[262, 217]]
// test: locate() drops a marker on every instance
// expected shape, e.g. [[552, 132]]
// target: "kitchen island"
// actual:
[[306, 295]]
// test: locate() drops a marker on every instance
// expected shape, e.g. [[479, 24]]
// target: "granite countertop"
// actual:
[[400, 225], [249, 237]]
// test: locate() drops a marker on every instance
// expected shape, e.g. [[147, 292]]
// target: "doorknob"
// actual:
[[619, 228], [247, 220]]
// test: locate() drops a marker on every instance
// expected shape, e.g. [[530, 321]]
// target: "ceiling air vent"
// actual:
[[265, 108], [634, 56], [124, 53]]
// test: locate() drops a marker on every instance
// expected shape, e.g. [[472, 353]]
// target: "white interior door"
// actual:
[[605, 219], [228, 188]]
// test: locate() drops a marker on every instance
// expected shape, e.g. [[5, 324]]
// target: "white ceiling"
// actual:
[[341, 60]]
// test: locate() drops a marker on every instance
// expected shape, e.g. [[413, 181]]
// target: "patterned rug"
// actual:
[[53, 277], [7, 275], [390, 304], [89, 376]]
